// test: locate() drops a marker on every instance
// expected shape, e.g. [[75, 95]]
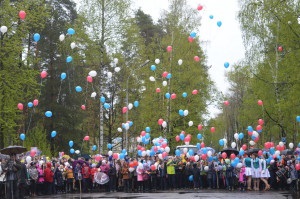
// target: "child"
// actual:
[[242, 178]]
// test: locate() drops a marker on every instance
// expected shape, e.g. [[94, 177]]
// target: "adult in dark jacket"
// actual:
[[22, 177], [196, 176]]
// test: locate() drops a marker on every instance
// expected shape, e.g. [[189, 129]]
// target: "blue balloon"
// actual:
[[210, 159], [109, 146], [71, 143], [71, 31], [191, 178], [143, 139], [219, 23], [36, 37], [94, 148], [48, 114], [299, 144], [191, 152], [193, 34], [102, 99], [69, 59], [272, 150], [124, 151], [78, 89], [22, 136], [63, 75], [169, 76], [53, 134], [72, 151], [146, 142], [177, 152], [136, 103], [211, 16], [181, 112], [204, 150], [233, 163], [250, 129], [167, 95], [106, 105], [226, 64], [121, 156], [147, 136], [241, 136], [147, 129], [241, 152], [298, 118], [184, 94], [152, 153], [198, 145], [30, 104], [153, 67], [130, 123], [199, 136], [181, 136], [221, 142], [139, 153], [253, 137]]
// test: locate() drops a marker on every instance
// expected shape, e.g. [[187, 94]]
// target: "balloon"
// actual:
[[160, 121], [224, 155], [199, 136], [109, 74], [61, 37], [93, 73], [202, 144], [221, 142], [212, 129], [117, 69], [232, 156], [191, 178], [281, 144], [259, 128], [63, 76], [28, 159], [157, 90], [190, 39], [236, 136], [71, 31], [69, 59], [226, 64], [195, 92], [109, 146], [3, 29], [241, 152], [77, 152], [180, 62], [211, 16], [298, 118], [109, 153], [71, 143], [20, 106], [167, 95], [177, 138], [259, 153], [147, 129], [185, 112], [106, 105], [226, 103], [291, 145], [32, 153], [233, 145], [169, 76], [93, 94], [30, 104], [157, 61], [209, 153], [199, 7], [44, 74], [193, 34], [130, 106], [124, 110], [261, 122], [169, 49], [22, 14], [219, 23], [147, 136], [72, 151], [200, 127], [191, 123], [53, 134], [250, 129], [152, 79], [72, 45], [86, 138], [135, 104], [83, 107], [164, 83], [279, 48], [78, 89], [153, 67], [167, 149], [241, 136], [143, 133], [36, 37], [206, 168], [164, 74], [297, 167], [181, 112], [184, 94], [191, 152], [22, 136], [244, 147], [181, 136], [260, 102], [196, 59], [116, 60], [164, 124], [48, 114], [177, 152], [102, 99], [252, 143]]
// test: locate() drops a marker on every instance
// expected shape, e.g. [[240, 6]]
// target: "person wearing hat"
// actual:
[[49, 178]]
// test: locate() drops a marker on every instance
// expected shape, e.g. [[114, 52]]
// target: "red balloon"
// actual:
[[280, 49], [212, 129], [32, 153], [124, 109], [155, 148], [226, 103], [260, 102], [35, 102], [202, 145], [267, 145], [143, 133], [164, 145], [261, 122], [89, 79], [224, 155], [190, 39], [196, 59], [260, 153], [164, 154], [165, 74], [256, 139], [244, 147], [135, 162], [173, 96], [298, 166], [195, 92], [86, 138], [187, 139], [250, 133], [177, 138], [153, 167], [139, 147], [232, 156], [158, 90], [44, 74], [200, 127], [20, 106], [169, 48], [131, 164], [83, 107], [115, 156], [271, 144], [192, 158], [203, 156], [160, 121], [199, 7], [258, 127], [22, 14]]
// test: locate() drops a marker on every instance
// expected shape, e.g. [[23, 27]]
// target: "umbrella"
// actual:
[[101, 178], [13, 150], [286, 152], [251, 151], [229, 151]]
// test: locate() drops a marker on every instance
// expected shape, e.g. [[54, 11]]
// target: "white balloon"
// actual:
[[130, 106], [187, 155], [93, 94], [185, 150], [291, 145], [160, 156], [140, 166], [117, 69], [236, 136], [185, 112], [164, 83], [131, 169], [209, 153], [109, 153], [116, 60], [179, 62], [157, 61], [109, 74], [77, 151], [3, 29], [139, 139], [167, 149], [206, 168], [255, 134], [164, 124], [233, 145], [196, 158], [252, 143], [191, 123], [277, 153], [126, 126], [225, 141], [239, 165], [93, 73], [152, 79], [73, 45], [281, 144], [119, 129], [148, 152], [61, 37], [28, 159]]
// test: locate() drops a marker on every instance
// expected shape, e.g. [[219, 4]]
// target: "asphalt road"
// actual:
[[197, 194]]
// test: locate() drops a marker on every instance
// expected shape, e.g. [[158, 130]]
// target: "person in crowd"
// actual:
[[153, 172], [242, 178], [59, 179], [22, 179], [2, 179], [264, 172], [273, 177], [162, 175], [49, 178], [86, 173], [248, 171], [70, 179], [33, 177], [196, 176], [171, 172], [94, 170], [77, 176], [146, 177], [229, 175], [112, 173], [40, 182], [292, 175], [255, 171], [140, 179], [126, 177]]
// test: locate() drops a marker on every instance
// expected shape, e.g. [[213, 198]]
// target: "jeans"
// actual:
[[12, 190], [112, 183], [126, 183]]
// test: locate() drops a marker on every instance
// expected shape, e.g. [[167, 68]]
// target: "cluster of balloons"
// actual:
[[162, 123], [144, 136], [183, 112], [117, 156], [184, 138]]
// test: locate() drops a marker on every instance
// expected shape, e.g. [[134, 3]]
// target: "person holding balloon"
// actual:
[[248, 171], [171, 172]]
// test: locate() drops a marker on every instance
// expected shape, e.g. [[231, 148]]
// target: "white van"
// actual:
[[193, 147]]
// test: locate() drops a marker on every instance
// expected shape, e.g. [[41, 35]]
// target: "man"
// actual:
[[171, 172], [11, 168]]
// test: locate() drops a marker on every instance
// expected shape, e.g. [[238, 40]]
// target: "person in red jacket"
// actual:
[[48, 177], [86, 174]]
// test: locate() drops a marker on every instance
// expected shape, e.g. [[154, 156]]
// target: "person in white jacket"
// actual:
[[264, 172]]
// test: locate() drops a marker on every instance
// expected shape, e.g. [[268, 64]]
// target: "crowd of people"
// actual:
[[31, 176]]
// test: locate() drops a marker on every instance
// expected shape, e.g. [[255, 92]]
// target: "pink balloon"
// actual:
[[199, 7], [22, 14], [44, 74], [177, 138], [160, 121], [190, 39], [183, 132], [20, 106], [35, 102], [115, 156], [169, 48], [258, 127], [244, 147], [124, 109], [200, 127], [86, 138], [196, 59], [83, 107], [155, 148], [164, 145], [232, 156], [32, 153], [143, 149], [164, 154], [260, 102], [139, 147], [187, 139], [195, 92], [158, 90], [212, 129], [280, 48], [260, 153], [173, 96], [98, 158], [89, 79], [202, 145], [203, 156], [165, 74], [143, 133], [261, 122], [226, 103], [224, 155]]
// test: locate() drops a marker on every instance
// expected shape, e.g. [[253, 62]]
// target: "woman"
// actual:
[[126, 177], [40, 182], [139, 172], [33, 177], [255, 171], [264, 174], [248, 171]]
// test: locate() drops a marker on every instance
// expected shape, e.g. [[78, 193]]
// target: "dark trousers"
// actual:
[[48, 187], [171, 180], [86, 184], [12, 190], [69, 185], [153, 179], [229, 182], [112, 183], [126, 183], [163, 183]]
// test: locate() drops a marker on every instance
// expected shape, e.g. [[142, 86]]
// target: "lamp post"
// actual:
[[131, 73]]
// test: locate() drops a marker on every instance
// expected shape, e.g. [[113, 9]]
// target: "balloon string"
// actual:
[[57, 100], [30, 120], [86, 89]]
